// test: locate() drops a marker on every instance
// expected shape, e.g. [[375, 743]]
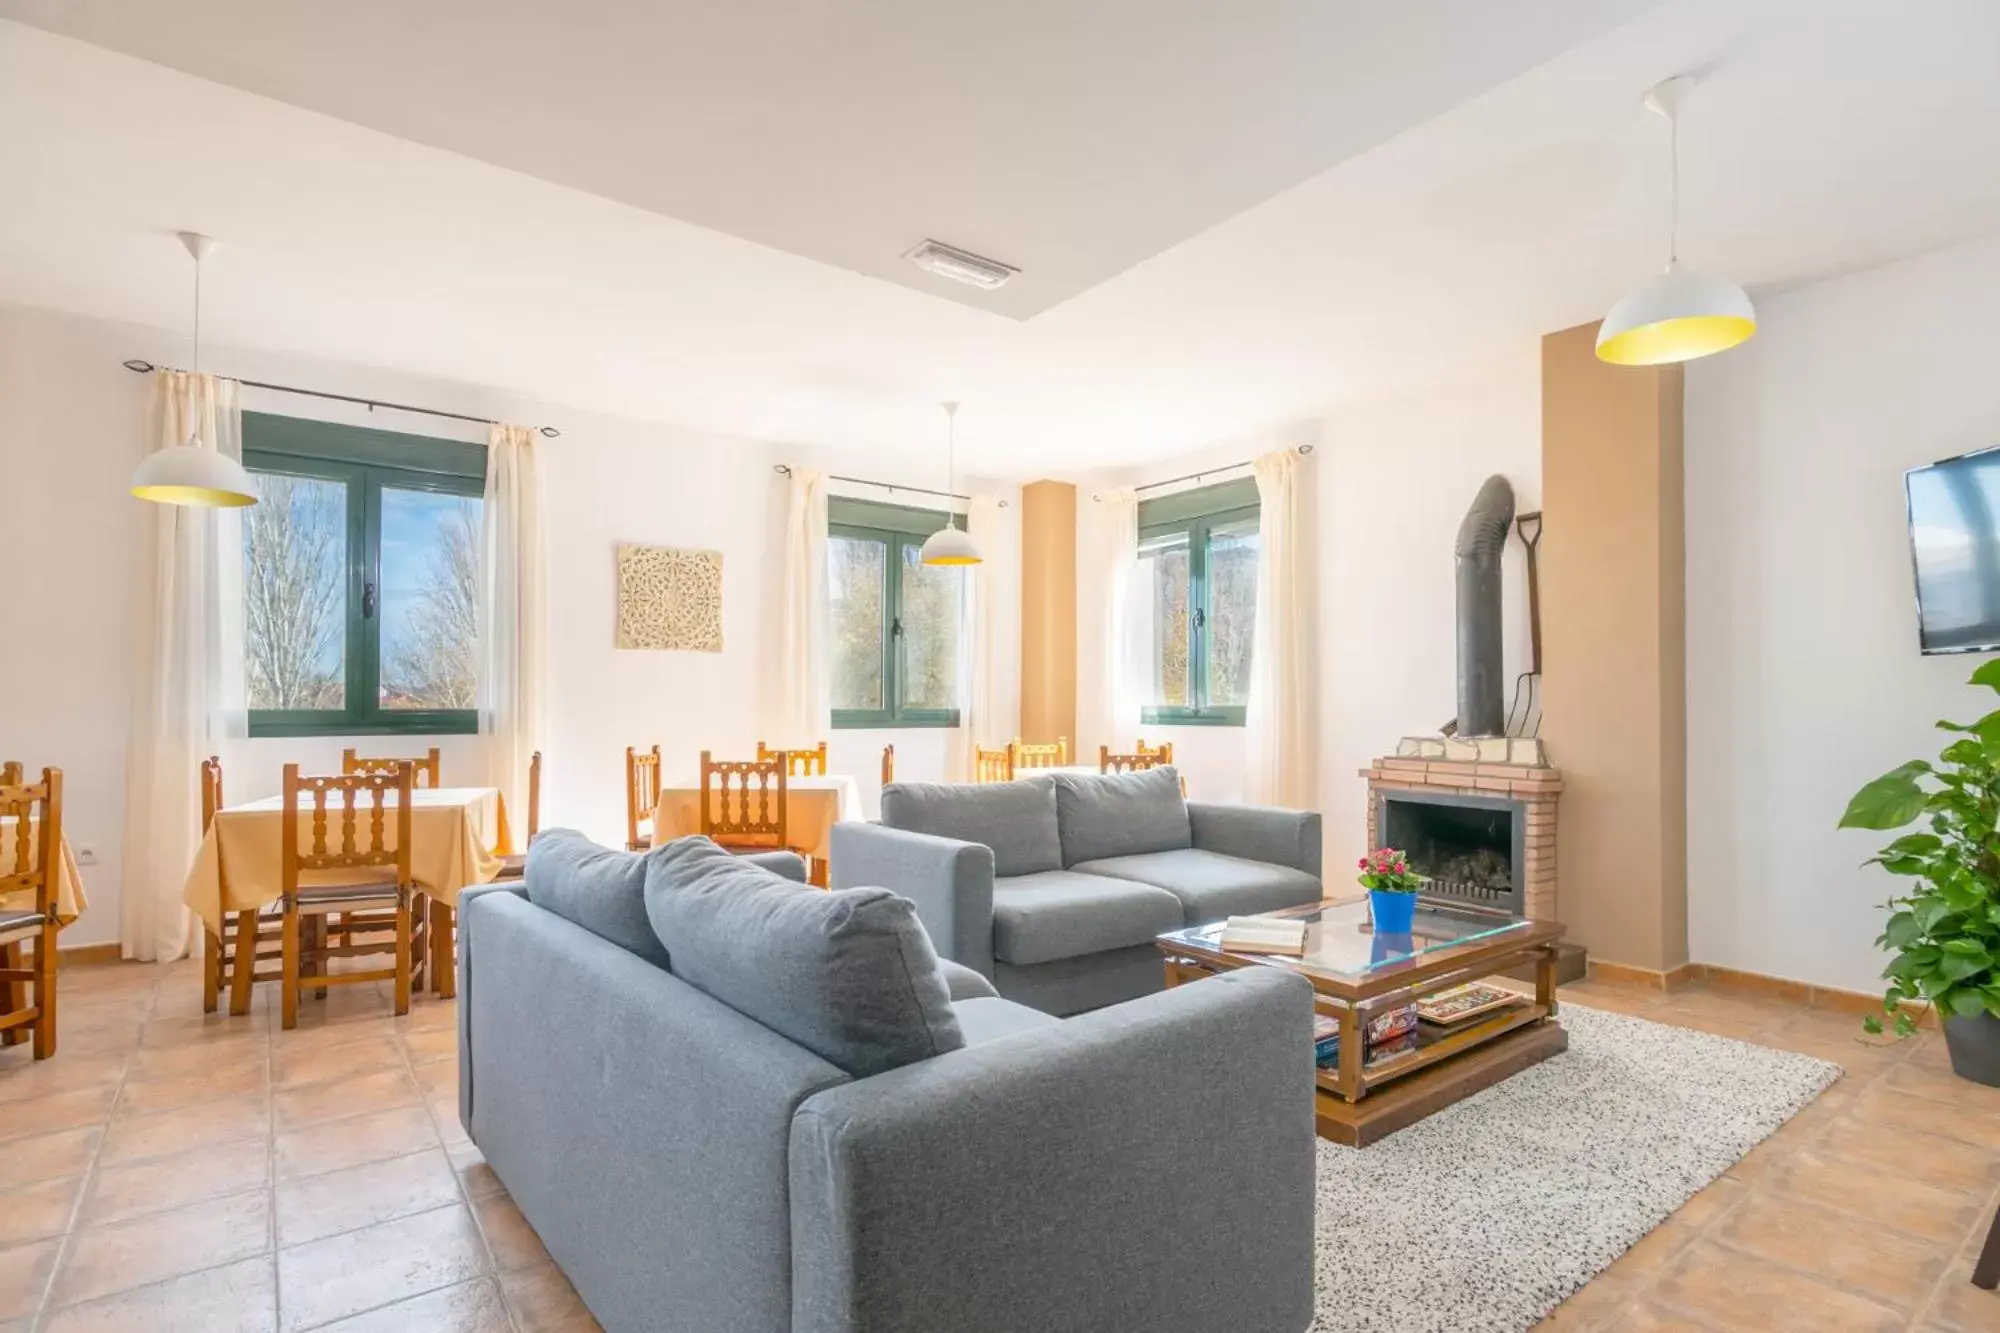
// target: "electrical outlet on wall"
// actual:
[[86, 855]]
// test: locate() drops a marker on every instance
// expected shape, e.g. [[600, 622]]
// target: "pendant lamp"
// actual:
[[1678, 314], [950, 544], [193, 473]]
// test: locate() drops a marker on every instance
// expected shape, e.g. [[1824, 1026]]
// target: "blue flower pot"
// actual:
[[1395, 913]]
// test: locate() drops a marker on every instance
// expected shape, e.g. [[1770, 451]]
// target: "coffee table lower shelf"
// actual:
[[1408, 1099]]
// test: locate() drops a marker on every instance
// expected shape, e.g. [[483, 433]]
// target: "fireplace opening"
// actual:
[[1470, 847]]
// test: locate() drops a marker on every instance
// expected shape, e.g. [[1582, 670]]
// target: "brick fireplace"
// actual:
[[1483, 828]]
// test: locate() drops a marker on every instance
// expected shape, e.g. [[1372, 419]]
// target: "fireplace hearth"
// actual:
[[1484, 832]]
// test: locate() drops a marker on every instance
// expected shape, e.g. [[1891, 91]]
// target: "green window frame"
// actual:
[[365, 461], [900, 528], [1194, 514]]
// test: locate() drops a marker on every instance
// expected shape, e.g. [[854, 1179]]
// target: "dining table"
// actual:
[[458, 836], [70, 899], [813, 805]]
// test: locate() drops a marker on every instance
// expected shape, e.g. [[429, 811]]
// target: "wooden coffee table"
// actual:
[[1358, 975]]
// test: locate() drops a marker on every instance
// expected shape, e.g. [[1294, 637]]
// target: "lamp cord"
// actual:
[[1674, 207], [194, 362]]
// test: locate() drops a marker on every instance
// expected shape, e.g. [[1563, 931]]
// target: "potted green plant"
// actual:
[[1944, 932], [1392, 890]]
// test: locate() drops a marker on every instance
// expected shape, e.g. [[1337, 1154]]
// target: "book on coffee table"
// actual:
[[1461, 1004], [1264, 934]]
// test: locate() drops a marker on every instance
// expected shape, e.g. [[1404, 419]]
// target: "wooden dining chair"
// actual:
[[1039, 755], [515, 864], [888, 764], [1164, 751], [642, 796], [743, 803], [227, 965], [798, 763], [993, 765], [429, 769], [362, 871], [1108, 762], [30, 861]]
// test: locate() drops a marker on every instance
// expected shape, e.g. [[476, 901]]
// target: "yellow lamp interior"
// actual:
[[951, 560], [194, 495], [1672, 340]]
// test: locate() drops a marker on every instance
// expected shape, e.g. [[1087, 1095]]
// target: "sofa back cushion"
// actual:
[[1016, 819], [850, 974], [599, 888], [1120, 814]]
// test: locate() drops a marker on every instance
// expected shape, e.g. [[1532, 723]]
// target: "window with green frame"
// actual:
[[360, 580], [1198, 570], [893, 621]]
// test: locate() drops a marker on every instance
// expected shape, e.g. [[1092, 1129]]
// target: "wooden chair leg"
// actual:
[[289, 978], [1986, 1273], [444, 950], [13, 995], [45, 992], [403, 960], [243, 970], [211, 968], [319, 933]]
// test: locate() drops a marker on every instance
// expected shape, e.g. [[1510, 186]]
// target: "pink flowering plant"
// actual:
[[1387, 869]]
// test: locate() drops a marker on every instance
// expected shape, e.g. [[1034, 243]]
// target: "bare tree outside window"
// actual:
[[1232, 610], [430, 600], [294, 558], [857, 575]]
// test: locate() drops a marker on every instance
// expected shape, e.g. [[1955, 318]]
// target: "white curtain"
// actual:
[[989, 703], [1126, 631], [187, 669], [513, 616], [1277, 732], [805, 683]]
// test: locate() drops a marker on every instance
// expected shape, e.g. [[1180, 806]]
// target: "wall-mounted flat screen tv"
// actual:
[[1955, 542]]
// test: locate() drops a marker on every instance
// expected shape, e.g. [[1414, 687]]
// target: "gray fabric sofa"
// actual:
[[1055, 886], [693, 1170]]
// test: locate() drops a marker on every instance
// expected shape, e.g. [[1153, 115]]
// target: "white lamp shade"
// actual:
[[189, 474], [1676, 315], [950, 545]]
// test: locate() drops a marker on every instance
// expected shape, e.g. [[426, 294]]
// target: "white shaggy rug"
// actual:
[[1486, 1215]]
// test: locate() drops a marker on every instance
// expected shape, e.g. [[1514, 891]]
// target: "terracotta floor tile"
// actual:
[[159, 1183], [297, 1108], [56, 1110], [1833, 1246], [444, 1115], [1645, 1317], [34, 1212], [1588, 1308], [123, 1255], [1928, 1157], [431, 1044], [37, 1078], [512, 1241], [159, 1063], [358, 1271], [1654, 1251], [1923, 1080], [293, 1068], [1963, 1307], [475, 1177], [207, 1124], [235, 1298], [544, 1301], [469, 1307], [1901, 1110], [1925, 1212], [363, 1138], [24, 1276], [46, 1156], [1711, 1202], [1728, 1290], [360, 1196], [217, 1031], [141, 1095], [439, 1078]]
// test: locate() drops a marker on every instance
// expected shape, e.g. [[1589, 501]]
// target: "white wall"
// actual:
[[1391, 479], [1804, 679]]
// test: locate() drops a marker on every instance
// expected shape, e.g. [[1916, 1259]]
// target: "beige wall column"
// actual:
[[1048, 613], [1613, 649]]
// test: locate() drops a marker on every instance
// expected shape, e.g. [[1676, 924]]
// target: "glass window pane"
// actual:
[[294, 593], [1232, 610], [857, 572], [428, 601], [1163, 568], [933, 596]]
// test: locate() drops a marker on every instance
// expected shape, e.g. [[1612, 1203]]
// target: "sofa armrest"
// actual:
[[951, 882], [1072, 1177], [1258, 833], [790, 865]]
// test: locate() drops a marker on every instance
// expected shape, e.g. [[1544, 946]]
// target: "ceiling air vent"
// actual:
[[948, 261]]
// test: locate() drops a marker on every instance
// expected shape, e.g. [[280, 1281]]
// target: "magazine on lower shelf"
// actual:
[[1462, 1004]]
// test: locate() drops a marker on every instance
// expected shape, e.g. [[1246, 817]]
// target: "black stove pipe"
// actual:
[[1482, 537]]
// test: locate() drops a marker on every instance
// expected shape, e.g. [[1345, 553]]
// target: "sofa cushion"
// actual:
[[1062, 914], [602, 889], [849, 974], [1120, 814], [993, 1018], [963, 982], [1212, 886], [1016, 819]]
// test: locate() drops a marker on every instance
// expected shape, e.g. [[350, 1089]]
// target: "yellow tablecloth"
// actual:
[[70, 901], [812, 807], [458, 836]]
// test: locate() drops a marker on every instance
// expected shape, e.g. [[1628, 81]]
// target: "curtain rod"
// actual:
[[146, 368], [785, 470], [1302, 450]]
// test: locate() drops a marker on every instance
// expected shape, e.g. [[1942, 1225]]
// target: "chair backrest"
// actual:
[[1164, 751], [1108, 762], [534, 794], [993, 765], [888, 764], [30, 846], [1041, 755], [642, 789], [743, 801], [429, 769], [211, 790], [798, 763], [350, 850]]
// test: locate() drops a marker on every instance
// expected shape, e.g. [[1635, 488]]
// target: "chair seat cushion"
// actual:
[[989, 1019], [599, 888], [11, 922], [1120, 814], [1211, 886], [1065, 914], [1016, 819], [850, 974]]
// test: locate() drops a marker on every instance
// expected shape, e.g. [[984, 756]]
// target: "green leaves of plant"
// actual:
[[1890, 801], [1988, 674]]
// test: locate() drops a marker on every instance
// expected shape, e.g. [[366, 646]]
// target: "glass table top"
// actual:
[[1341, 943]]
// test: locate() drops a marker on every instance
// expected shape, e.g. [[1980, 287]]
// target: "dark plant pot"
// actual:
[[1974, 1044]]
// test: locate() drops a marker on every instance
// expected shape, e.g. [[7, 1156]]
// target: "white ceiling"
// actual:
[[1829, 134]]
